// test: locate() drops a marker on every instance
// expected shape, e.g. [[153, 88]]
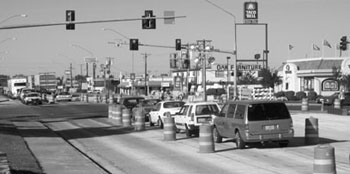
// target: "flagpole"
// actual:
[[322, 48]]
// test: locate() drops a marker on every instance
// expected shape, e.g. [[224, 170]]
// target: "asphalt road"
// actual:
[[106, 148]]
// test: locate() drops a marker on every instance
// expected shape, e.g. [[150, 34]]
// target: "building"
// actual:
[[46, 80], [313, 74]]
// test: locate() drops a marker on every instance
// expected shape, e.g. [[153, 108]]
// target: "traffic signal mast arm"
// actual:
[[82, 22]]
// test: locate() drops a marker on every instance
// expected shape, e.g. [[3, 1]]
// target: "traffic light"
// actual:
[[147, 22], [177, 44], [134, 44], [173, 63], [70, 17], [344, 43], [186, 64]]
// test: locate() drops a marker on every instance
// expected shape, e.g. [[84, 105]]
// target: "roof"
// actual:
[[254, 101], [315, 63]]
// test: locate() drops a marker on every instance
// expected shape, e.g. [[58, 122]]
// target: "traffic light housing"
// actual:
[[134, 44], [70, 17], [177, 44], [147, 22], [344, 43], [186, 64]]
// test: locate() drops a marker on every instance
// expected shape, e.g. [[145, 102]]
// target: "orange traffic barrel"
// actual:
[[324, 159], [126, 117], [118, 114], [139, 120], [304, 104], [311, 131], [169, 129], [337, 103], [206, 140], [110, 111]]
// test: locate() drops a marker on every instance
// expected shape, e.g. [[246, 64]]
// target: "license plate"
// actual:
[[269, 127]]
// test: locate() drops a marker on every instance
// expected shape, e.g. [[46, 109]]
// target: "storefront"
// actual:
[[313, 74]]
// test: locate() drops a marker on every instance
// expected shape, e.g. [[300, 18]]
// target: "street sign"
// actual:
[[250, 12], [90, 60]]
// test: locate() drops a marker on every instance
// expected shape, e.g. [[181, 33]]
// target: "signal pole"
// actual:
[[145, 56]]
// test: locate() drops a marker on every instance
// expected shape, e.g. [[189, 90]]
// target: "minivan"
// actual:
[[254, 121]]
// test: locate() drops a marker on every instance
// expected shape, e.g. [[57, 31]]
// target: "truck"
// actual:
[[14, 86]]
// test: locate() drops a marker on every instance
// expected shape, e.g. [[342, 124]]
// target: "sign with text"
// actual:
[[250, 12]]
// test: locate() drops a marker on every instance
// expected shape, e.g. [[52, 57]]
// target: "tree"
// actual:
[[269, 78], [247, 78], [344, 80], [80, 78]]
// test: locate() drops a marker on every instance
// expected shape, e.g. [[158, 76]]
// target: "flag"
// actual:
[[290, 47], [315, 47], [326, 43]]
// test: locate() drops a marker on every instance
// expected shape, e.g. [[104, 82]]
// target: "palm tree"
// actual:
[[269, 78]]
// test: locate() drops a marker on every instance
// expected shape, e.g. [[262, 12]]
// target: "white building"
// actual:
[[313, 74]]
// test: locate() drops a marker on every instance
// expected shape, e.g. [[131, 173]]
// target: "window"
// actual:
[[173, 104], [223, 110], [240, 112], [267, 111], [231, 110], [183, 110]]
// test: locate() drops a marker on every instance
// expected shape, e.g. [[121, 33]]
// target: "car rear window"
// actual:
[[206, 109], [267, 111], [173, 104]]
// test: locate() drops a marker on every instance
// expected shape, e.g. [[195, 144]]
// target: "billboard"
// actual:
[[250, 12]]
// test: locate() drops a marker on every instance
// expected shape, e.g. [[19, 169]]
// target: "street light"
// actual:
[[235, 47], [7, 39], [13, 16], [87, 65], [126, 37]]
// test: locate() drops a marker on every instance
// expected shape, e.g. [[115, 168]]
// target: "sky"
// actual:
[[300, 23]]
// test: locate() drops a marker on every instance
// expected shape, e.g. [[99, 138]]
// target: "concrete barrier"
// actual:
[[126, 117], [169, 130], [324, 160], [111, 109], [206, 140], [305, 104], [311, 131], [139, 120]]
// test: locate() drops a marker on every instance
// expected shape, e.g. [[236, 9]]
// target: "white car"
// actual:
[[156, 116], [192, 115], [63, 96], [32, 98]]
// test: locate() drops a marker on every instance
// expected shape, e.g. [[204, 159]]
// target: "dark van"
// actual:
[[252, 121]]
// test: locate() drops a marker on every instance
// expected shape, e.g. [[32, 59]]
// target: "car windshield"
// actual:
[[173, 104], [267, 111], [207, 109], [33, 95]]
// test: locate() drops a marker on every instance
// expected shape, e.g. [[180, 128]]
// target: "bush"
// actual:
[[300, 95], [279, 94], [312, 95], [290, 95]]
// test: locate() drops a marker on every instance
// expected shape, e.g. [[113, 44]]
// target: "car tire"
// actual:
[[283, 143], [239, 141], [160, 123], [188, 132], [216, 136]]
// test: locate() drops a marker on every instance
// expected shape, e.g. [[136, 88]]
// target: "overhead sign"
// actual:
[[250, 12], [90, 60]]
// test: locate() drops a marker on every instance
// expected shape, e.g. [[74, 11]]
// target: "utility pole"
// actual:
[[71, 75], [145, 56]]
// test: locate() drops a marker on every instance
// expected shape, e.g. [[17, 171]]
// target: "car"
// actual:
[[147, 106], [24, 91], [32, 98], [63, 96], [254, 121], [329, 100], [157, 115], [193, 114], [76, 97], [129, 101]]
